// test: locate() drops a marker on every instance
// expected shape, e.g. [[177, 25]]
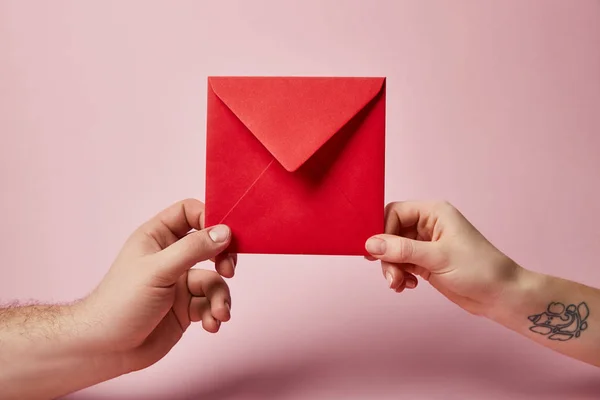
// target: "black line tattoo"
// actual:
[[561, 323]]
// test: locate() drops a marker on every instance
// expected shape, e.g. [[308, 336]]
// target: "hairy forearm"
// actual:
[[557, 313], [43, 356]]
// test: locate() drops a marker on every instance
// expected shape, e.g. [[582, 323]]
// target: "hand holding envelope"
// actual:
[[296, 165]]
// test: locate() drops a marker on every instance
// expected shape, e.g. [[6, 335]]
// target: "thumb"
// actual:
[[197, 246], [401, 250]]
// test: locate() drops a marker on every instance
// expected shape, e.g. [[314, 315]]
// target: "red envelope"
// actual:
[[296, 165]]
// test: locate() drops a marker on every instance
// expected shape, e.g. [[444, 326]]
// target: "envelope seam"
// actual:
[[247, 191], [356, 209]]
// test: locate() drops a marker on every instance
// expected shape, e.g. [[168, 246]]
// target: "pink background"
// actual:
[[494, 106]]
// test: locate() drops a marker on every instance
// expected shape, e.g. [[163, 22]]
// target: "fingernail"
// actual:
[[228, 306], [411, 284], [219, 233], [375, 246], [232, 261], [389, 278]]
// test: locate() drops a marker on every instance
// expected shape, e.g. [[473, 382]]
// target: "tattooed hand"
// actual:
[[436, 242]]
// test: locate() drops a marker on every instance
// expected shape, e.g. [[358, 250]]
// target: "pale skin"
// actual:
[[434, 241], [151, 295]]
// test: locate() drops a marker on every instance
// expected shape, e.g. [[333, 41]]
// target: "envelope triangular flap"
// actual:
[[294, 116]]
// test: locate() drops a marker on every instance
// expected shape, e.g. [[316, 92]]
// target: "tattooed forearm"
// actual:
[[561, 323]]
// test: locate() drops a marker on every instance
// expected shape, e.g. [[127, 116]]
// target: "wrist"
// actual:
[[88, 343], [73, 342], [518, 296]]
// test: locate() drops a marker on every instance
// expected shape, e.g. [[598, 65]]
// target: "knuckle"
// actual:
[[189, 201], [443, 205], [404, 250], [215, 284], [207, 276], [204, 239], [447, 204], [390, 206], [197, 243], [220, 282]]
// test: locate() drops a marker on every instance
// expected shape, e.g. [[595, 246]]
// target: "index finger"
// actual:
[[174, 222], [179, 218], [404, 214]]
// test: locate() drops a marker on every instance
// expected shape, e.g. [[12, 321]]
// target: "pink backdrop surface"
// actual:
[[494, 106]]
